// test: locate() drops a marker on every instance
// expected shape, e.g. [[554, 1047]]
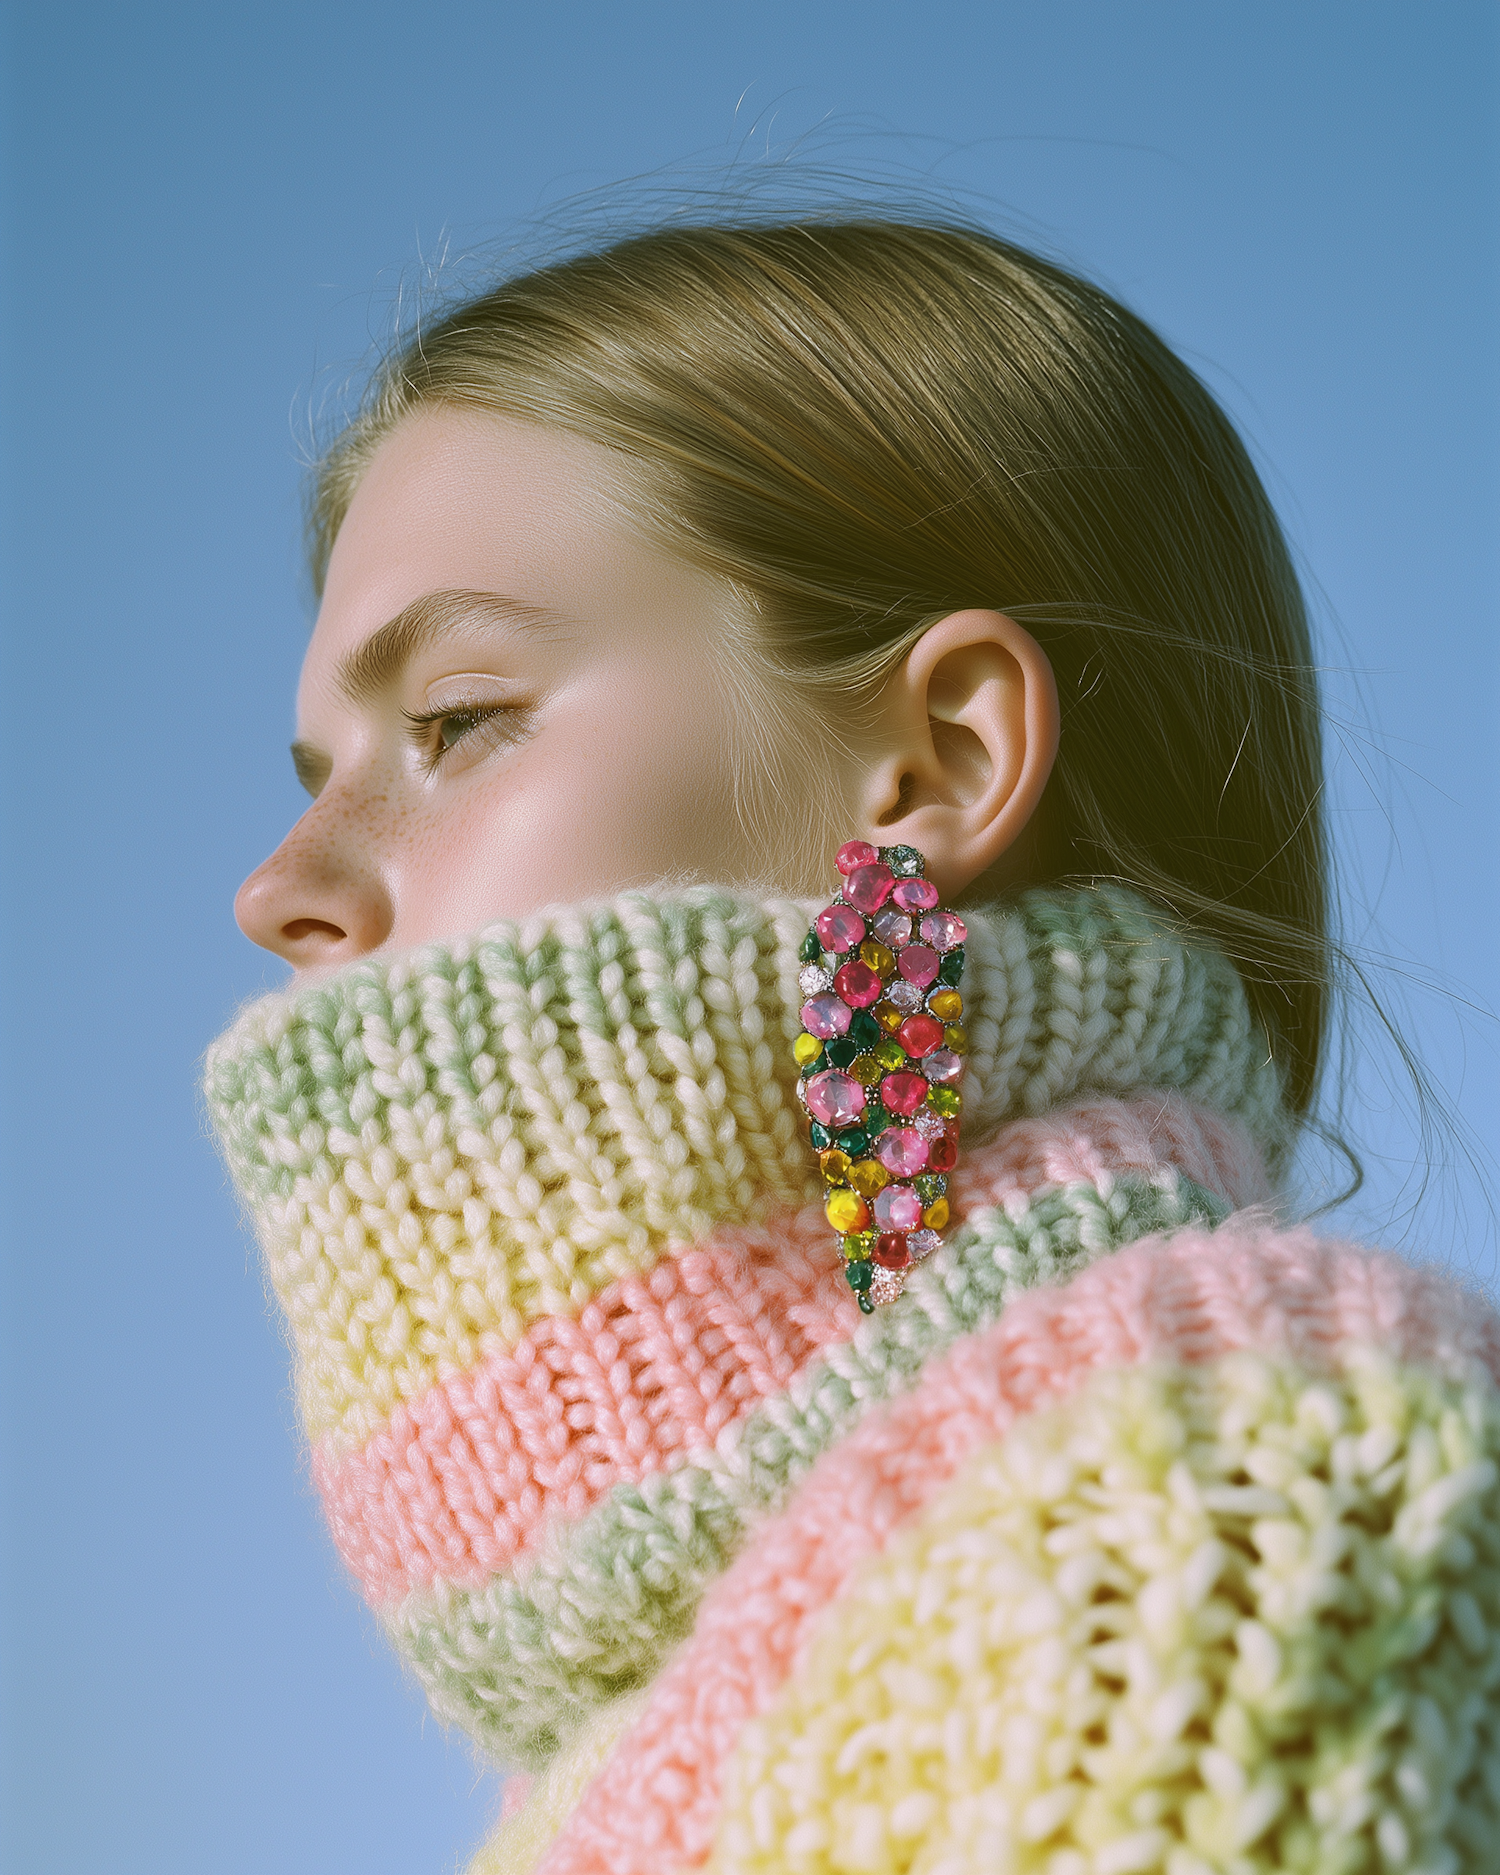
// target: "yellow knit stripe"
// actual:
[[1196, 1620]]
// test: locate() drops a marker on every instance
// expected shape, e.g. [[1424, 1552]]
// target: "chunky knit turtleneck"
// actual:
[[654, 1513]]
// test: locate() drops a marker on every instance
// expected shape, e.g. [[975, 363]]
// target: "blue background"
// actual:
[[209, 210]]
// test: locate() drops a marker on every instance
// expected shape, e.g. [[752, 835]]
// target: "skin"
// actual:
[[577, 711]]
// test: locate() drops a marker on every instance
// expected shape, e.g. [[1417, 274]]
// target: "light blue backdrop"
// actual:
[[209, 209]]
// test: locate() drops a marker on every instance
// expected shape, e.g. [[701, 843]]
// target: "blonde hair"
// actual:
[[868, 424]]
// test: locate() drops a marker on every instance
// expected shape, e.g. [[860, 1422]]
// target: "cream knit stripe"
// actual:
[[523, 1662], [1240, 1616], [441, 1147]]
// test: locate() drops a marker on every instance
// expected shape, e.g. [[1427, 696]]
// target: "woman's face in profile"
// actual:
[[507, 701]]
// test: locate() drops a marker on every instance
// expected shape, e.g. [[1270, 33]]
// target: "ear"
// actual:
[[966, 740]]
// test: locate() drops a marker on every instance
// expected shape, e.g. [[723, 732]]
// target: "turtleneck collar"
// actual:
[[441, 1147]]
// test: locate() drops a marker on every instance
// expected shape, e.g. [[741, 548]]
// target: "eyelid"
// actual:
[[459, 689]]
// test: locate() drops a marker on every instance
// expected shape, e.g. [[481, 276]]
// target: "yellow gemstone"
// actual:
[[846, 1211], [806, 1048], [889, 1017], [875, 954], [946, 1101], [868, 1176], [890, 1054], [946, 1005], [956, 1037], [866, 1070], [833, 1165], [936, 1214]]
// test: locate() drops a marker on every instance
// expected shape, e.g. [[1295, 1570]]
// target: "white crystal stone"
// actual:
[[886, 1285], [814, 979]]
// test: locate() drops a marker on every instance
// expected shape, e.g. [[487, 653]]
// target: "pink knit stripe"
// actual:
[[463, 1482], [1191, 1298]]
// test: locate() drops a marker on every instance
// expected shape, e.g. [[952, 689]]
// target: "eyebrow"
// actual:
[[376, 664]]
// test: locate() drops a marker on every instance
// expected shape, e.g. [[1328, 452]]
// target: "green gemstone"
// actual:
[[904, 861], [890, 1054], [856, 1142], [859, 1246], [952, 967], [945, 1100], [859, 1274], [877, 1120], [866, 1306], [822, 1139], [841, 1051], [811, 949], [865, 1030], [809, 1068], [931, 1185]]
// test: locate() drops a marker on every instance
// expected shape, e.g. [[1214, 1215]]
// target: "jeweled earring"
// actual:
[[881, 1054]]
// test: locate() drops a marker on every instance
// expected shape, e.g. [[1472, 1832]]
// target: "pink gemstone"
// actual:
[[942, 1066], [839, 928], [904, 996], [922, 1243], [902, 1093], [825, 1016], [920, 1034], [915, 894], [918, 963], [835, 1099], [858, 984], [892, 927], [855, 853], [943, 929], [868, 887], [899, 1149], [897, 1208]]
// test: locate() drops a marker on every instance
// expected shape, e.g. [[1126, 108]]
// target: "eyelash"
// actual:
[[479, 717]]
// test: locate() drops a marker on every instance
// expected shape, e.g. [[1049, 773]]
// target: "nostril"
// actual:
[[301, 929]]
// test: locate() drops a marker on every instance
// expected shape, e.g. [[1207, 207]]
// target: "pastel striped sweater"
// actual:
[[1139, 1534]]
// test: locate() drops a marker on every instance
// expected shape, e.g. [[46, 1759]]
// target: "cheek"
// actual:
[[616, 790]]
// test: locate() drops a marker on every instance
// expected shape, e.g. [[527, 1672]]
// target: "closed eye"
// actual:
[[313, 767]]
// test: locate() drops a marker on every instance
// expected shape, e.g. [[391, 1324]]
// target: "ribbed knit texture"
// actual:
[[743, 1578]]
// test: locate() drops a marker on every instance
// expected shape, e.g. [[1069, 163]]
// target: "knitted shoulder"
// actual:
[[1232, 1613]]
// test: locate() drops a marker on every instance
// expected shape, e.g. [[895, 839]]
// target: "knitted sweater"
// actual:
[[1138, 1534]]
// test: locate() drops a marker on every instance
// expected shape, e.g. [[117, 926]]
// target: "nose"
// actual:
[[316, 901]]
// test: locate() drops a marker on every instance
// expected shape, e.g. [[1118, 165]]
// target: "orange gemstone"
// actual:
[[846, 1211]]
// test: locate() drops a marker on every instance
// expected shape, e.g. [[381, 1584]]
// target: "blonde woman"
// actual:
[[1136, 1527]]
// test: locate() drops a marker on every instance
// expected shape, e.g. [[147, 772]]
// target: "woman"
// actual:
[[1092, 1521]]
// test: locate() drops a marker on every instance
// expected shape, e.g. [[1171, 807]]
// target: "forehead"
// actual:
[[459, 500]]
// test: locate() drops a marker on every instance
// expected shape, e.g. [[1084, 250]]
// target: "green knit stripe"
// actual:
[[524, 1662], [442, 1147]]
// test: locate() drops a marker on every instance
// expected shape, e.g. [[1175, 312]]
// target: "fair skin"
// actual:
[[512, 699]]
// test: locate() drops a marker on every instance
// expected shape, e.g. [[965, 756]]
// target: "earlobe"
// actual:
[[967, 741]]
